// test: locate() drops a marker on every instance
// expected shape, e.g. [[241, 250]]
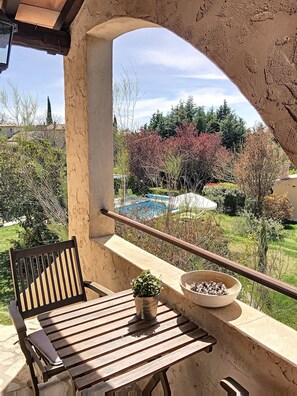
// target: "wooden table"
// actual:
[[103, 345]]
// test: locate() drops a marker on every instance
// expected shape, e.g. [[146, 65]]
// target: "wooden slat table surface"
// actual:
[[102, 342]]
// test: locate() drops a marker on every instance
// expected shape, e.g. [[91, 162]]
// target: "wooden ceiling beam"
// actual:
[[10, 7], [41, 38], [68, 13]]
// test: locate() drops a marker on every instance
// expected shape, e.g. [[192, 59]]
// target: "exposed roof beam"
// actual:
[[10, 7], [68, 13], [41, 38]]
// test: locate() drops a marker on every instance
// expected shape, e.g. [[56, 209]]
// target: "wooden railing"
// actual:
[[259, 277]]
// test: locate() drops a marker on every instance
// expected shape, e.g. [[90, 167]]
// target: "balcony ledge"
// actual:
[[258, 327]]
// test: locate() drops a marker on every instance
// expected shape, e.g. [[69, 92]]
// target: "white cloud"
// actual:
[[173, 59], [180, 56], [212, 96], [146, 107], [205, 76]]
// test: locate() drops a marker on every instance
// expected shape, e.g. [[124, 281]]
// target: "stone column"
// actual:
[[88, 103], [99, 87]]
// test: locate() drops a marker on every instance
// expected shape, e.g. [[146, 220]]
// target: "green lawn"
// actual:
[[6, 294], [284, 252], [6, 235], [287, 245]]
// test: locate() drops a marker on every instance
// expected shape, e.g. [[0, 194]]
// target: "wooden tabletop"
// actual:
[[101, 341]]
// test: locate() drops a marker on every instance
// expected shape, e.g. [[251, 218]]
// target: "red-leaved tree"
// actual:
[[146, 156], [198, 155], [185, 160]]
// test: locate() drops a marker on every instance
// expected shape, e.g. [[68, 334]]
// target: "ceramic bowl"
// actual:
[[232, 284]]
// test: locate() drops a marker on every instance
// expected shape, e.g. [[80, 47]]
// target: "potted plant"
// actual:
[[146, 291]]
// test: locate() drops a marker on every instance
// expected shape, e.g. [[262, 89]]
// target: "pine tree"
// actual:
[[49, 118], [233, 132], [223, 111], [190, 109], [200, 119], [212, 124], [158, 123]]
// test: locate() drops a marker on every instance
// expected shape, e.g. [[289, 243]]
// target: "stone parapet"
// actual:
[[256, 350]]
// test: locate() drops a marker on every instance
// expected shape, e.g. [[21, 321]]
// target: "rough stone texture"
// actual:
[[256, 52], [254, 43]]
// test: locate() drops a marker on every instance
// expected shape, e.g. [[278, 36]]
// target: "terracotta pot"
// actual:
[[146, 307]]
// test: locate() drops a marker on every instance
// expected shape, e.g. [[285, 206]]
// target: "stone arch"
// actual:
[[254, 43], [113, 28]]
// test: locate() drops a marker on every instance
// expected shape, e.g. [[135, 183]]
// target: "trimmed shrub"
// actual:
[[229, 198], [278, 207]]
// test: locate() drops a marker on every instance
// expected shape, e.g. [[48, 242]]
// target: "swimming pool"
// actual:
[[143, 210], [158, 197]]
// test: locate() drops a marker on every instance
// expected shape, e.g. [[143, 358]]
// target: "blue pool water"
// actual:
[[159, 197], [143, 210]]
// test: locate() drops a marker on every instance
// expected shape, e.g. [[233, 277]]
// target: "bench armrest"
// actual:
[[233, 388], [17, 318], [101, 290]]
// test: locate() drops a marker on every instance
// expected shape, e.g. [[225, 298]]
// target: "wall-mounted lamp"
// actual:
[[7, 28]]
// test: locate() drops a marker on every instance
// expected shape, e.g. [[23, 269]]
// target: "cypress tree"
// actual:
[[115, 123], [49, 118]]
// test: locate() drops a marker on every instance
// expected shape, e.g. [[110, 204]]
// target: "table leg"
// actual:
[[165, 383], [153, 382]]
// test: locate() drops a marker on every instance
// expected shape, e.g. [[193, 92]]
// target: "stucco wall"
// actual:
[[255, 45], [253, 42]]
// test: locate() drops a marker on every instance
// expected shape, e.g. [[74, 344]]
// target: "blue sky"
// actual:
[[168, 68]]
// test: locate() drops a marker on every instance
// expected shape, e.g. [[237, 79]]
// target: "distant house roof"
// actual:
[[9, 130], [56, 127], [55, 136]]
